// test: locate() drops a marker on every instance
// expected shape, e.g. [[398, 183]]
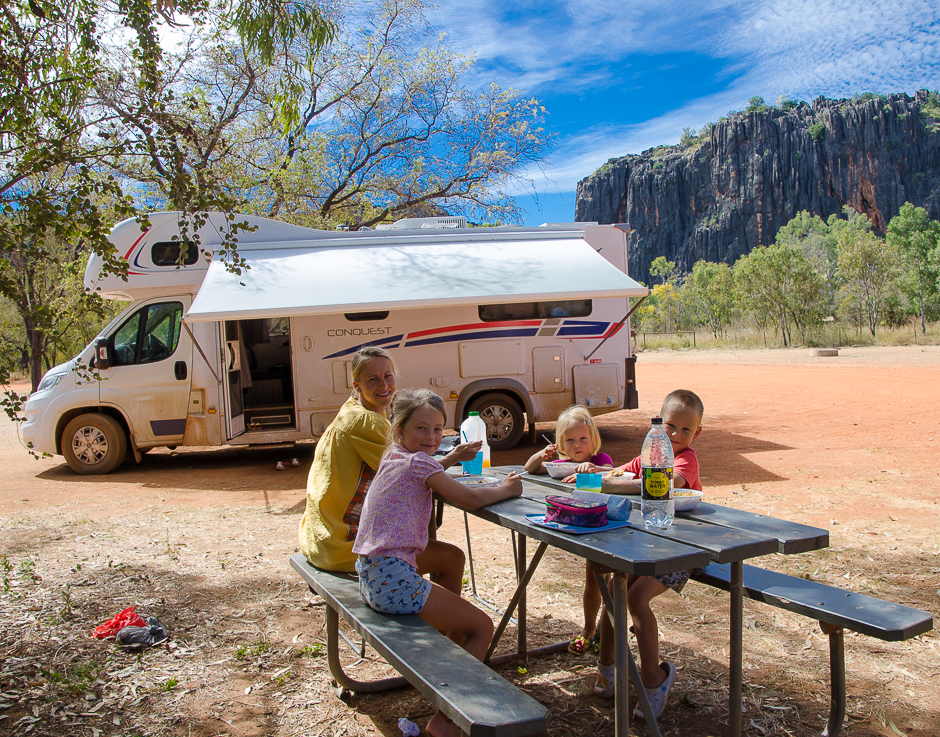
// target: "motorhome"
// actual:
[[515, 323]]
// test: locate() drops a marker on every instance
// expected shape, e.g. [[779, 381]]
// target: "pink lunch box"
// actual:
[[566, 510]]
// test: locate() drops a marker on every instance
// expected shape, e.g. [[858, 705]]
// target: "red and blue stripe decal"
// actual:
[[566, 329]]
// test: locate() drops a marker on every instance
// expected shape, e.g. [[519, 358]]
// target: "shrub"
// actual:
[[658, 165], [817, 131]]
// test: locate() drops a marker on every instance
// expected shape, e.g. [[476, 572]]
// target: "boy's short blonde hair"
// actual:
[[683, 400], [571, 417]]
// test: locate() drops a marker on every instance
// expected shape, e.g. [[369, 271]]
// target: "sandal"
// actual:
[[578, 646]]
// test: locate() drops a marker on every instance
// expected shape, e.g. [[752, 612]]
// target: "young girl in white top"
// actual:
[[392, 541]]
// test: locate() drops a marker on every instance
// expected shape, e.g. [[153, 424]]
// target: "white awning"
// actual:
[[359, 278]]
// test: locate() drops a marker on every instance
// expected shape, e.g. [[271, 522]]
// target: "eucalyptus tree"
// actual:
[[868, 267], [917, 240], [710, 290], [389, 124], [778, 283], [58, 144]]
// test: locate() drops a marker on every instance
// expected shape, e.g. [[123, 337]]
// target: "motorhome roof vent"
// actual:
[[418, 223]]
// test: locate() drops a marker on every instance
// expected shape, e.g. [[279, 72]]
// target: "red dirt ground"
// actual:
[[848, 443]]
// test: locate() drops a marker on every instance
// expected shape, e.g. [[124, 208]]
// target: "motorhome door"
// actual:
[[151, 372], [236, 379]]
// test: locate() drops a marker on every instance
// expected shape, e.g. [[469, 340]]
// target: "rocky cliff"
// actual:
[[730, 189]]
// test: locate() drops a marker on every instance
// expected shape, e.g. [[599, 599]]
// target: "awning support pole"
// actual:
[[613, 332], [201, 353]]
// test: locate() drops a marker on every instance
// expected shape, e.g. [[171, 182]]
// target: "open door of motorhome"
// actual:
[[237, 378]]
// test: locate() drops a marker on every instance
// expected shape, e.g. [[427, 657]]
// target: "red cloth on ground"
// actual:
[[126, 618]]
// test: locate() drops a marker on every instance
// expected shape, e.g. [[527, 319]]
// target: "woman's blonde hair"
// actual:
[[572, 417], [405, 403], [362, 357]]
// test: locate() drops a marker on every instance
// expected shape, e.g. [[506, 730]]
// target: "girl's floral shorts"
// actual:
[[390, 585]]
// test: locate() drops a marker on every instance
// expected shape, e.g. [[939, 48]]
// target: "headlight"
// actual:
[[49, 381]]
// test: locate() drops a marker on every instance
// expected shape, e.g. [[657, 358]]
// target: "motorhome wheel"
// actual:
[[503, 417], [94, 444]]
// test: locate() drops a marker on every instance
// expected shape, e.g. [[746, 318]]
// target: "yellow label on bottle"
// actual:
[[656, 482], [486, 463]]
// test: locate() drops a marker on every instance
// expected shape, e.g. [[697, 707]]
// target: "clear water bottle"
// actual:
[[656, 461], [471, 429]]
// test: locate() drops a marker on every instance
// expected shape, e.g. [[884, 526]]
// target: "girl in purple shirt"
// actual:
[[576, 440], [392, 541]]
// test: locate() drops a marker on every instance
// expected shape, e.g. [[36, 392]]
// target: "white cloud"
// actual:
[[801, 48]]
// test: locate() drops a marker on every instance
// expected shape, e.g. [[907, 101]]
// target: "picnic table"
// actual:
[[710, 534]]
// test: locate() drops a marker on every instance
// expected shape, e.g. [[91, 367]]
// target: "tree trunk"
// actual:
[[37, 341]]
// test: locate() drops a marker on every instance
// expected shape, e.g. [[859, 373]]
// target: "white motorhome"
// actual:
[[516, 323]]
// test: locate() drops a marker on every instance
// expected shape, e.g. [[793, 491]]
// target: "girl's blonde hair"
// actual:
[[406, 402], [571, 417], [362, 357]]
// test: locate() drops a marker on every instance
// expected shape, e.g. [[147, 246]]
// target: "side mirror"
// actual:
[[101, 354]]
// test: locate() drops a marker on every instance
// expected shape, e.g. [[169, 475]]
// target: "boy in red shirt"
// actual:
[[682, 412]]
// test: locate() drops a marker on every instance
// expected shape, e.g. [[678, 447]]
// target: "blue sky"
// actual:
[[618, 77]]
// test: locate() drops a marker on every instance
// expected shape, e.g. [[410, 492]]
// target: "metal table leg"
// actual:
[[517, 595], [473, 579], [622, 703], [736, 649], [836, 679], [621, 653], [520, 573]]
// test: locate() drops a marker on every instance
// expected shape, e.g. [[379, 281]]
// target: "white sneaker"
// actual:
[[604, 683], [281, 466], [604, 686], [658, 695]]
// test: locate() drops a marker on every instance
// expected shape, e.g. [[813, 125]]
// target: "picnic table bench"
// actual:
[[480, 701], [835, 609]]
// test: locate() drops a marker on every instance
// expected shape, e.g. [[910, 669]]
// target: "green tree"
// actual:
[[817, 239], [778, 283], [389, 126], [710, 290], [916, 238], [756, 105], [867, 268], [665, 270], [57, 141]]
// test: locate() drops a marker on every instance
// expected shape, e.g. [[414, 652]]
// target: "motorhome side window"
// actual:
[[151, 334], [535, 310], [167, 253]]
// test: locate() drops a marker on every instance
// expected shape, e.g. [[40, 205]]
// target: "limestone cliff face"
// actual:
[[731, 190]]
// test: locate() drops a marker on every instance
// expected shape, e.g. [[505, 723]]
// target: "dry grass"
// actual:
[[246, 656]]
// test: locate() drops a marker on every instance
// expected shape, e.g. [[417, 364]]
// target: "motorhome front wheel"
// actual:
[[94, 444], [503, 417]]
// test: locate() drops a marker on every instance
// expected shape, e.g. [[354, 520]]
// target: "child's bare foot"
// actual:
[[441, 726]]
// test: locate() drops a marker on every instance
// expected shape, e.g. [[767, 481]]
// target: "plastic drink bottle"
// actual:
[[472, 429], [656, 462]]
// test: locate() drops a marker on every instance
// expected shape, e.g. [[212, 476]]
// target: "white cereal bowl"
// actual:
[[686, 499], [478, 481], [560, 470]]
